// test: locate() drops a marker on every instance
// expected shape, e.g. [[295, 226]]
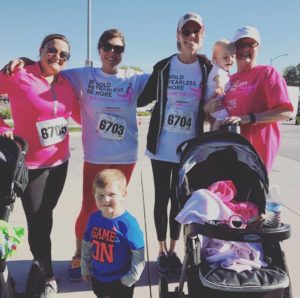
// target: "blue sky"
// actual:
[[149, 27]]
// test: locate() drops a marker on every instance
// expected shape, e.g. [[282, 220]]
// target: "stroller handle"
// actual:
[[213, 230], [229, 128], [232, 128]]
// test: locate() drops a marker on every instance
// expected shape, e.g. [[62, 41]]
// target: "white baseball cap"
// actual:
[[246, 31], [190, 16]]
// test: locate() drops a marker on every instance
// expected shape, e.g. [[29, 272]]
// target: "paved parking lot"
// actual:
[[140, 203]]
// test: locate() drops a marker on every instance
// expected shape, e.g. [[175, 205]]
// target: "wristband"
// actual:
[[252, 118]]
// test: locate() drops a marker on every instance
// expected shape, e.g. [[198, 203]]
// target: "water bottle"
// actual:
[[273, 208]]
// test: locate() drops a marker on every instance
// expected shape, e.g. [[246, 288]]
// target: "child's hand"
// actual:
[[216, 125], [213, 105], [86, 277], [220, 91]]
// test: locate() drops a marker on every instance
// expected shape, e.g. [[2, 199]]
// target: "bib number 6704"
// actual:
[[178, 120]]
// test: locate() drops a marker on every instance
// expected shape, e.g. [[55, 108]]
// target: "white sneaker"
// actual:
[[51, 289]]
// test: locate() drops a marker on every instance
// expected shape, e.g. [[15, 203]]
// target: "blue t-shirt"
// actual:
[[112, 240]]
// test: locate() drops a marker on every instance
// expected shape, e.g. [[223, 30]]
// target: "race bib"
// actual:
[[52, 131], [111, 127], [179, 121]]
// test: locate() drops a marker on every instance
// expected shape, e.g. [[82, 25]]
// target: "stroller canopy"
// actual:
[[217, 156], [13, 171]]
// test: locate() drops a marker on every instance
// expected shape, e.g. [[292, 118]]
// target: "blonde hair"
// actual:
[[223, 44], [104, 177]]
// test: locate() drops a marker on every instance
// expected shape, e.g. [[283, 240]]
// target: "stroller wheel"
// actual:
[[20, 295], [163, 287], [35, 281], [287, 291], [7, 284]]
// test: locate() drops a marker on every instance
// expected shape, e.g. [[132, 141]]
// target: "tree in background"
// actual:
[[291, 75], [134, 68]]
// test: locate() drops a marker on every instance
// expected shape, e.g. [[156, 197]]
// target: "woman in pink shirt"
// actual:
[[108, 99], [257, 98], [41, 102]]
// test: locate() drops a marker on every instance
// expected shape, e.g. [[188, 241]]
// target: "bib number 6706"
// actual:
[[50, 131]]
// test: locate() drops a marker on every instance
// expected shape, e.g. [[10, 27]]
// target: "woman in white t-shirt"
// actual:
[[178, 85], [108, 100]]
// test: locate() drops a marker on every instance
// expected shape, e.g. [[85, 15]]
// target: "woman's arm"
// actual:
[[278, 113], [76, 110], [16, 64], [213, 104], [149, 93]]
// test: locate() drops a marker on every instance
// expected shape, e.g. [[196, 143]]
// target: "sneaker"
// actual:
[[35, 283], [75, 270], [162, 264], [51, 289], [174, 263]]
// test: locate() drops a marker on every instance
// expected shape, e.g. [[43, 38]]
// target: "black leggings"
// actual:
[[39, 200], [165, 175], [114, 289]]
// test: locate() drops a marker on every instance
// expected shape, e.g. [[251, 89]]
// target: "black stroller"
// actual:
[[217, 156], [13, 181]]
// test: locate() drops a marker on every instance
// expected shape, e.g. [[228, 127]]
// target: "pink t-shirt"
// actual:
[[40, 113], [256, 91]]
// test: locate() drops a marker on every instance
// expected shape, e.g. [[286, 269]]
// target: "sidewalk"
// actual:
[[140, 204]]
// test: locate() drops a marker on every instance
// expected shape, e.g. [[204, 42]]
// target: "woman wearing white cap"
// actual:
[[178, 85], [257, 97]]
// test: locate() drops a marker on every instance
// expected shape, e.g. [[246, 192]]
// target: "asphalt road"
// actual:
[[290, 142], [140, 203]]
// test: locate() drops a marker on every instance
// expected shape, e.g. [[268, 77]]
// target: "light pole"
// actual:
[[272, 59], [88, 61]]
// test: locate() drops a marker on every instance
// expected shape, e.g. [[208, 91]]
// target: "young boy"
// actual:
[[223, 58], [113, 244]]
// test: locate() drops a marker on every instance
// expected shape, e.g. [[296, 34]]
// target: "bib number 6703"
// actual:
[[112, 127]]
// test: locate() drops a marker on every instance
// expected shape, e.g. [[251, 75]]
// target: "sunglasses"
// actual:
[[187, 32], [106, 47], [64, 56], [248, 45]]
